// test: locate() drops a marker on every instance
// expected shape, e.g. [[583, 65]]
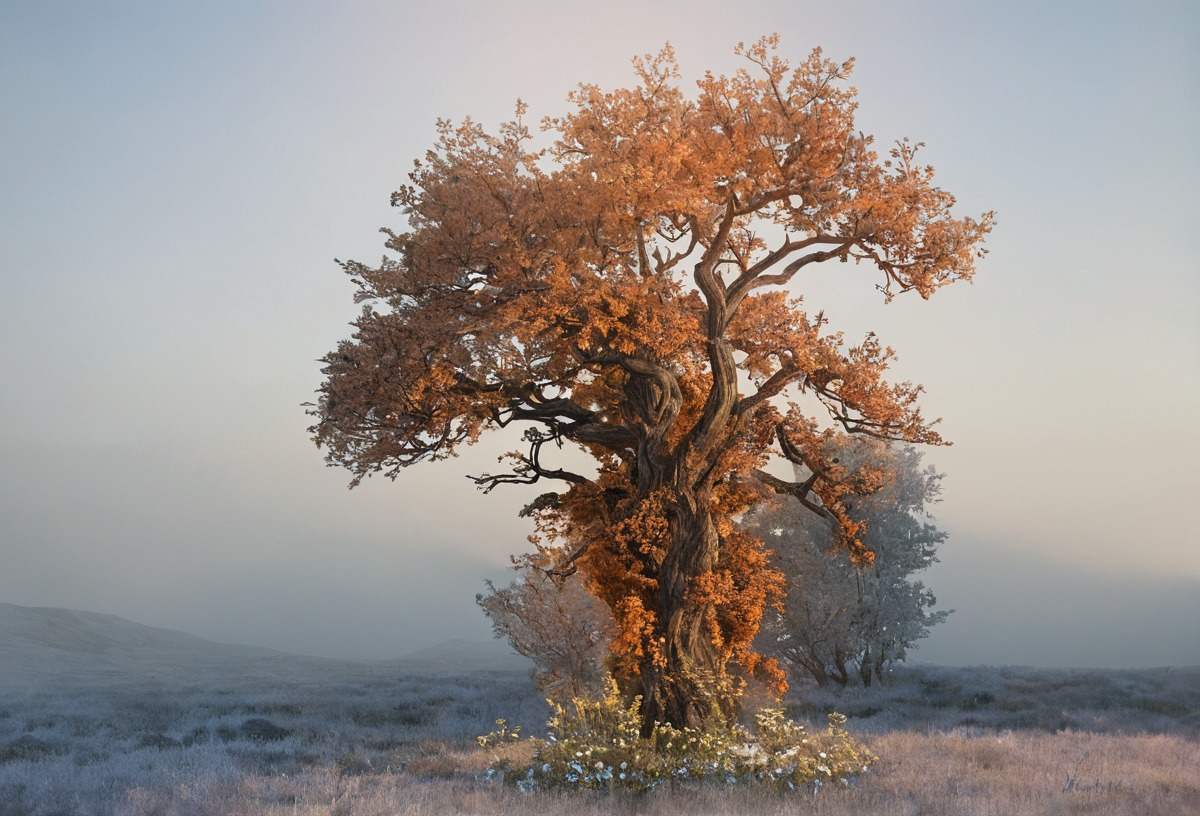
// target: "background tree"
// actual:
[[554, 622], [839, 618], [625, 290]]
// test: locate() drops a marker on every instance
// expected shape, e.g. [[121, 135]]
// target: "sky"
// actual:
[[177, 180]]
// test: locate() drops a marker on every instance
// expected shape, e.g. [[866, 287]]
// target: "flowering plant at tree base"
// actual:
[[625, 290], [596, 744]]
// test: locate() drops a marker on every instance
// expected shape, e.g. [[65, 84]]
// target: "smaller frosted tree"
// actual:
[[550, 618], [841, 620]]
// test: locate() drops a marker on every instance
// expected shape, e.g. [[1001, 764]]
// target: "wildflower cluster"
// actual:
[[503, 735], [595, 743]]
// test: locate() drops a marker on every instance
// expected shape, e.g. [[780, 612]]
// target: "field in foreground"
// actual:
[[283, 736]]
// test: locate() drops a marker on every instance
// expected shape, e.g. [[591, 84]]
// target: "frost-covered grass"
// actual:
[[130, 747], [1004, 698], [369, 739]]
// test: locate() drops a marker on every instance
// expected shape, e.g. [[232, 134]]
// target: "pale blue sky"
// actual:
[[177, 178]]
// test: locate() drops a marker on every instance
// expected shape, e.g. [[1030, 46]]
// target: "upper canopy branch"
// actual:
[[787, 374], [666, 259], [755, 276], [710, 284]]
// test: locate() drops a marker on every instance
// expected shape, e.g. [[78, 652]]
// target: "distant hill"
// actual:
[[41, 646], [74, 631], [47, 647]]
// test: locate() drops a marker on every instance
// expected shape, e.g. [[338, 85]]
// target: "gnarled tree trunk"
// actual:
[[685, 690]]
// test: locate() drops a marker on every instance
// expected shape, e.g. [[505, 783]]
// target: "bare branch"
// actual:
[[795, 266], [530, 469], [662, 266]]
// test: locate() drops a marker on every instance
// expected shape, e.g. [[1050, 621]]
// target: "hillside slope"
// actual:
[[44, 648]]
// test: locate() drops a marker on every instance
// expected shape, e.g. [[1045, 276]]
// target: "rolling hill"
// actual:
[[47, 647]]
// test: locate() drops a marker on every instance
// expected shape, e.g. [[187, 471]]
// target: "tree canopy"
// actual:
[[628, 288]]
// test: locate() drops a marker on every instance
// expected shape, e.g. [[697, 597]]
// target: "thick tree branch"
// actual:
[[789, 271], [657, 406], [801, 491], [664, 265], [710, 284], [643, 258], [702, 439], [777, 382], [747, 280]]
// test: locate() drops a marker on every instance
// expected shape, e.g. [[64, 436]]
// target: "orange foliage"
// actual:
[[625, 289]]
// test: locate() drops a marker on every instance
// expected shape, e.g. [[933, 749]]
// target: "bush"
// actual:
[[595, 743], [27, 748], [260, 730]]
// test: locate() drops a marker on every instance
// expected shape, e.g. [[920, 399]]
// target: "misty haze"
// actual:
[[687, 407]]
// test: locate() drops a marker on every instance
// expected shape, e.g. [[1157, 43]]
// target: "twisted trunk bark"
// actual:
[[688, 685], [676, 689], [685, 690]]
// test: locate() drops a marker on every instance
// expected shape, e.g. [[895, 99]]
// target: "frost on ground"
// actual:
[[370, 740], [276, 734]]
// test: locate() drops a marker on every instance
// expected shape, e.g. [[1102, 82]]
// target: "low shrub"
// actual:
[[158, 740], [259, 730], [27, 748], [595, 743]]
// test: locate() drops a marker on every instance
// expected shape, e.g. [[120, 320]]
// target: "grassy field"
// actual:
[[302, 739]]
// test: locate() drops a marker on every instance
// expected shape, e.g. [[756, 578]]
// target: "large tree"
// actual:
[[628, 290]]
